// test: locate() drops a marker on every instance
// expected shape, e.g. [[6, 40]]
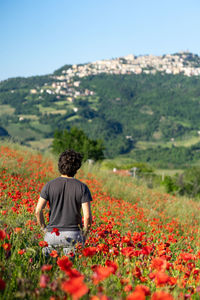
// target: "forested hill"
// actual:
[[121, 109]]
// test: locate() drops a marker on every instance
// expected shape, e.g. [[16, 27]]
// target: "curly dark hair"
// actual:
[[69, 162]]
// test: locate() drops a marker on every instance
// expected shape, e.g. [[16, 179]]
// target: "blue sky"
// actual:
[[39, 36]]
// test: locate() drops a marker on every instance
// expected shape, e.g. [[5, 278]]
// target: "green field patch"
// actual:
[[29, 117], [21, 133], [6, 109], [50, 110], [168, 172], [143, 145], [42, 144], [45, 128], [63, 102], [73, 118], [186, 141]]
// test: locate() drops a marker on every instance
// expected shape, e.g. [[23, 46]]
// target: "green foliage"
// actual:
[[170, 185], [185, 184], [164, 157], [77, 140], [124, 109]]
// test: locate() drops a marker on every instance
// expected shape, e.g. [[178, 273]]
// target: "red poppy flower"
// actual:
[[22, 251], [75, 287], [112, 265], [43, 244], [100, 273], [2, 284], [56, 231], [54, 253], [6, 246], [2, 234], [136, 295], [17, 229], [90, 251], [44, 279], [145, 289], [64, 263], [161, 278], [161, 296], [46, 268]]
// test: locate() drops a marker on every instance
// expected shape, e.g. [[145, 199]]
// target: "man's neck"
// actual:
[[67, 176]]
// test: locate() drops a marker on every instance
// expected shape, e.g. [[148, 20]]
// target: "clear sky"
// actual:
[[39, 36]]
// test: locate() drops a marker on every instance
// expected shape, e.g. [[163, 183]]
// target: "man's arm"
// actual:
[[39, 212], [87, 217]]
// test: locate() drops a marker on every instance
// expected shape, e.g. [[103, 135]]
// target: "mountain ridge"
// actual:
[[121, 108]]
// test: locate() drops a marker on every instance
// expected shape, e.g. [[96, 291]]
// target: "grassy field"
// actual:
[[185, 142], [51, 110], [15, 130], [6, 109], [42, 144], [143, 244]]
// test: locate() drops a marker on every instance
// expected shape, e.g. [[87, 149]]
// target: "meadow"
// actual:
[[143, 244]]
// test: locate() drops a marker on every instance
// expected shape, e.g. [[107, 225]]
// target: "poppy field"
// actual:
[[138, 248]]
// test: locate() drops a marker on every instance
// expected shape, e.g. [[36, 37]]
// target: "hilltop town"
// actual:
[[67, 82]]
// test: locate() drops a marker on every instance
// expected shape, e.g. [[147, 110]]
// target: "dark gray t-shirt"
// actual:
[[65, 196]]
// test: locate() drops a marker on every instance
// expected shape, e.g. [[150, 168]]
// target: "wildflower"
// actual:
[[90, 251], [75, 287], [136, 295], [6, 247], [17, 229], [159, 264], [2, 284], [64, 263], [56, 231], [145, 289], [128, 288], [161, 296], [43, 244], [128, 252], [161, 278], [100, 273], [44, 279], [111, 264], [22, 251], [54, 253], [46, 268], [2, 234]]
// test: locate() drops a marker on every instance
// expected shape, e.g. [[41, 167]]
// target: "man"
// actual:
[[66, 196]]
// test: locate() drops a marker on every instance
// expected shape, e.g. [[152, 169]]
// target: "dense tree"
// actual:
[[77, 140]]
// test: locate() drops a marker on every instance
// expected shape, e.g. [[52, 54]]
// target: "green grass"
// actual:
[[6, 109], [44, 128], [132, 190], [42, 144], [186, 141], [168, 172], [29, 117], [73, 118], [63, 102], [15, 130], [51, 110]]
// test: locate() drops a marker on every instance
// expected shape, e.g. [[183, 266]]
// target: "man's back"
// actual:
[[65, 196]]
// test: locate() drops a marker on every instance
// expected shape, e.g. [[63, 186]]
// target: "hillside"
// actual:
[[142, 244], [127, 102]]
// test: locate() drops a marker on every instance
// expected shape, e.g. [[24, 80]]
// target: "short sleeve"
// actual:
[[44, 192], [86, 195]]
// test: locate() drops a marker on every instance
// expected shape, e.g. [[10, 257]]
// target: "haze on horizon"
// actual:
[[41, 36]]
